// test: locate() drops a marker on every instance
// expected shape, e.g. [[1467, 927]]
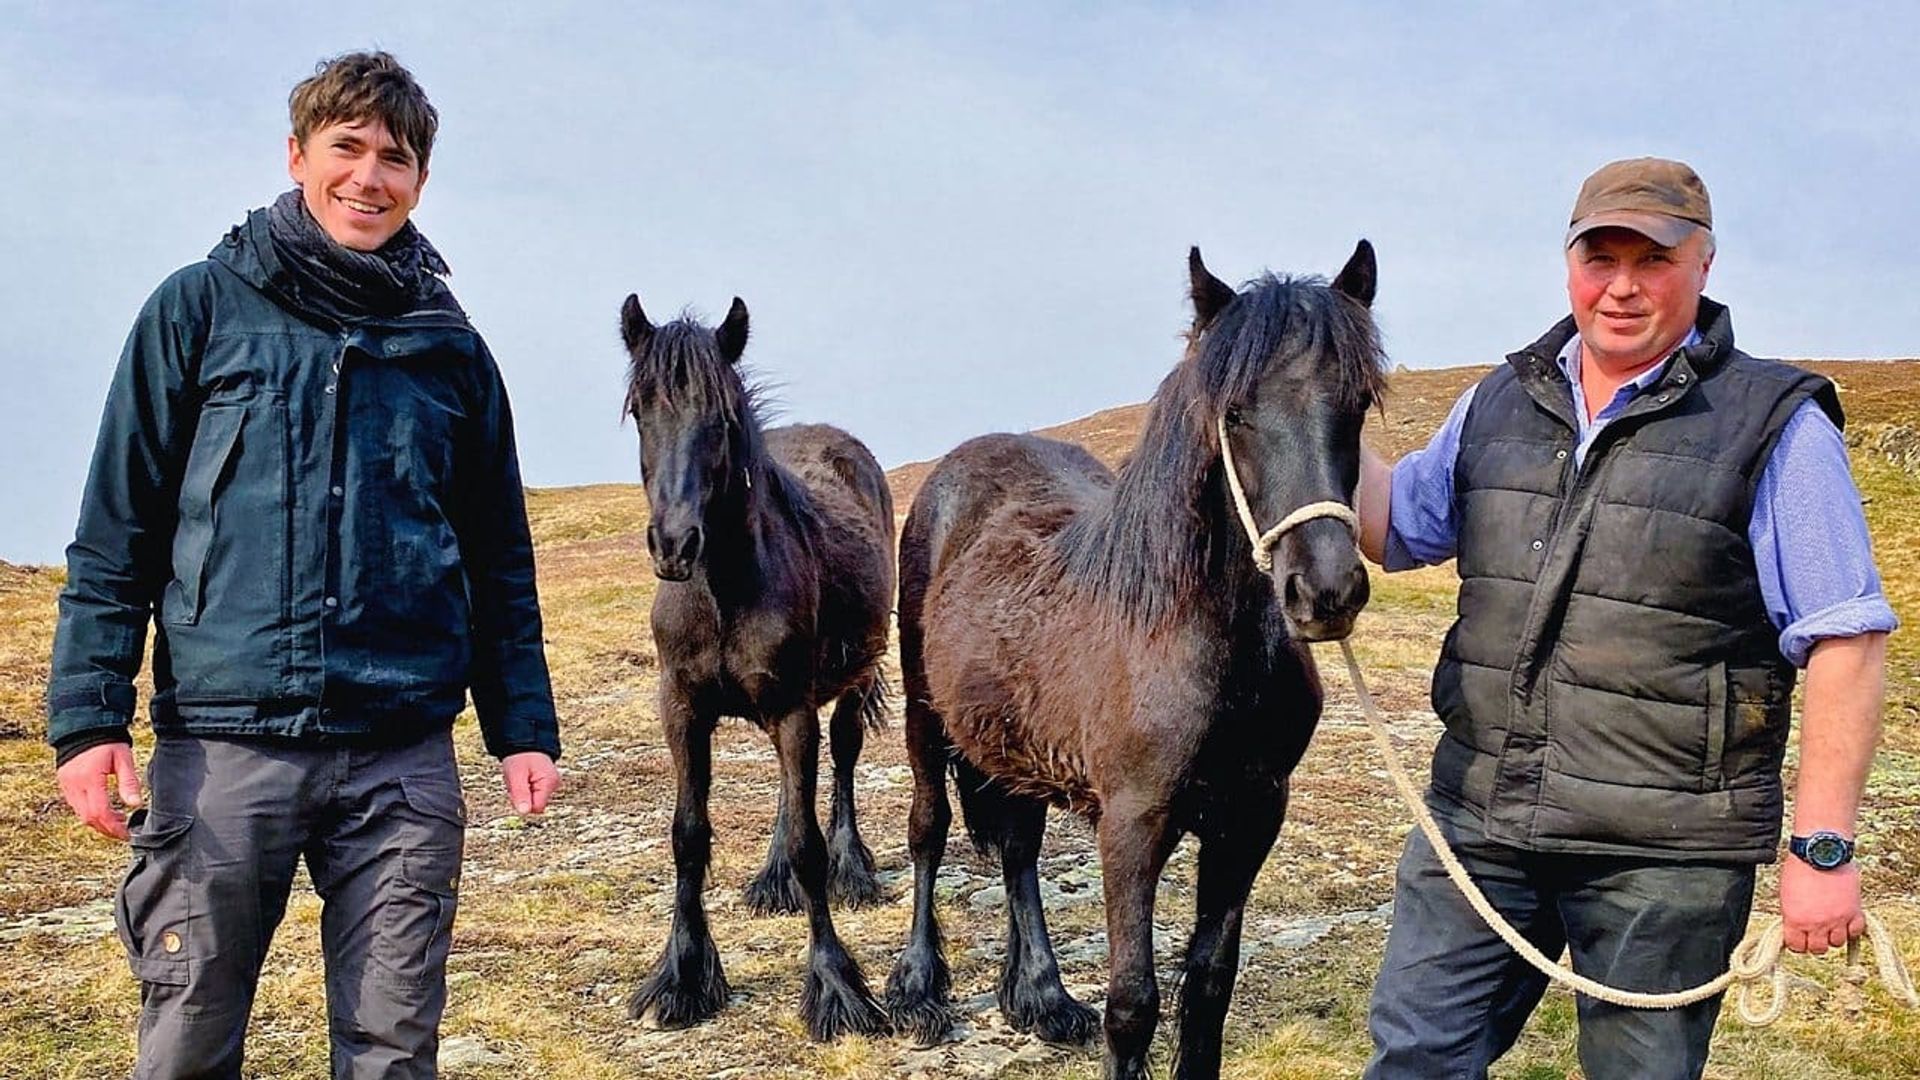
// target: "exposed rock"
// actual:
[[1897, 443], [1300, 933], [469, 1052], [79, 922]]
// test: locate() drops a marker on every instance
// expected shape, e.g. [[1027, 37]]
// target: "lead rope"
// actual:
[[1754, 970], [1754, 967]]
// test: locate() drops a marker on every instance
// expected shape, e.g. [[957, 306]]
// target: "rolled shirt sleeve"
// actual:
[[1810, 542], [1423, 524]]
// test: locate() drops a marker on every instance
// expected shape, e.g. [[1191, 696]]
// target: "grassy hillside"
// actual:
[[561, 917]]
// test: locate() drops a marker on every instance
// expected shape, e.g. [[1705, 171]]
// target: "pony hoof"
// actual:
[[775, 891], [852, 882], [919, 1000], [1050, 1014], [1069, 1023], [835, 1003], [927, 1022], [683, 990]]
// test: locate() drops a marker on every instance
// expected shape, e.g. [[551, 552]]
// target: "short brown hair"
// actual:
[[361, 86]]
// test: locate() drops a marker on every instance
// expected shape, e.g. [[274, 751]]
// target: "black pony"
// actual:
[[1131, 648], [774, 551]]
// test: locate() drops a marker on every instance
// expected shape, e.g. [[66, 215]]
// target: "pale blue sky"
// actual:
[[960, 219]]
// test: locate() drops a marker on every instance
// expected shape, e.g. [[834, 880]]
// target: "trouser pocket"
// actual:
[[416, 925], [154, 904], [417, 910]]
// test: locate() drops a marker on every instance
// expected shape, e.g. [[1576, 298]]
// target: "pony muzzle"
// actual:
[[675, 551], [1322, 598]]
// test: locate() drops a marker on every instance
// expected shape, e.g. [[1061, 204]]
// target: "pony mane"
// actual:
[[681, 362], [1148, 553]]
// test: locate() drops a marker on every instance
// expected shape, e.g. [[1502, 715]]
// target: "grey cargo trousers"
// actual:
[[214, 853], [1452, 997]]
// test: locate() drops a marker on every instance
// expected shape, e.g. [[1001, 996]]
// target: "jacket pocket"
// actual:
[[153, 907], [228, 609], [209, 469]]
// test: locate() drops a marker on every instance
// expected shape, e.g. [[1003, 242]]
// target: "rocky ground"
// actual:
[[562, 917]]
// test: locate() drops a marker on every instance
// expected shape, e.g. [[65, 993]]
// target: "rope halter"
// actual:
[[1265, 542]]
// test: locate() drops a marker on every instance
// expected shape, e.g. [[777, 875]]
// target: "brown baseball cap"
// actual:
[[1659, 199]]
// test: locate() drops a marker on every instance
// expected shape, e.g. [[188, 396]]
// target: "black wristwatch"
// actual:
[[1824, 850]]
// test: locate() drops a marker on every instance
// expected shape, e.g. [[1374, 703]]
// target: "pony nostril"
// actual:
[[653, 542], [696, 539], [1293, 592], [1359, 589]]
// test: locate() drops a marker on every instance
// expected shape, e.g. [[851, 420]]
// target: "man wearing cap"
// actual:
[[1654, 533]]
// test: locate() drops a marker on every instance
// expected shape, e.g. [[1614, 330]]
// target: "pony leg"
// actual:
[[834, 999], [1030, 993], [1228, 864], [1135, 841], [850, 866], [919, 991], [687, 984], [775, 890]]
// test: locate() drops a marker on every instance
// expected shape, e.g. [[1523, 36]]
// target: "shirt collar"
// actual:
[[1569, 361]]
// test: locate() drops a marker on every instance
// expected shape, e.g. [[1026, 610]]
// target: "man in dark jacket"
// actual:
[[1654, 532], [306, 478]]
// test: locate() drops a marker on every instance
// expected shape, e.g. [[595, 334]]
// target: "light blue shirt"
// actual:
[[1809, 536], [1589, 430]]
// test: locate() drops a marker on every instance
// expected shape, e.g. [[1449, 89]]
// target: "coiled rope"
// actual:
[[1754, 972]]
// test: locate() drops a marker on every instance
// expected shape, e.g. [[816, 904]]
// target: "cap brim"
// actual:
[[1659, 228]]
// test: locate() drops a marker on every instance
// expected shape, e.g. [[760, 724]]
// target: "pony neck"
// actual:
[[1171, 546]]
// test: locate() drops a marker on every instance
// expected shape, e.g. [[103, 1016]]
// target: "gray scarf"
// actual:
[[349, 285]]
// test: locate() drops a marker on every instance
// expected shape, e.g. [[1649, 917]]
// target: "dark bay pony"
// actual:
[[1107, 644], [774, 550]]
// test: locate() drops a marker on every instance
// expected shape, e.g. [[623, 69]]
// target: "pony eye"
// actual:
[[1234, 419]]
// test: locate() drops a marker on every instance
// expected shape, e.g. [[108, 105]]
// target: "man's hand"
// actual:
[[1838, 732], [1820, 908], [83, 783], [1373, 502], [531, 780]]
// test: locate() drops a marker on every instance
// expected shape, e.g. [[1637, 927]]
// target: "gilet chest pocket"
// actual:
[[210, 466]]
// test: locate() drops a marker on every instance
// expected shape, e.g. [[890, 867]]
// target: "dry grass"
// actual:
[[561, 918]]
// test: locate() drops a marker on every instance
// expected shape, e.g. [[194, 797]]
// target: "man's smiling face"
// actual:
[[1633, 299], [360, 183]]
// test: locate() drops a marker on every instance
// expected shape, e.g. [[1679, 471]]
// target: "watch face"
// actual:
[[1826, 851]]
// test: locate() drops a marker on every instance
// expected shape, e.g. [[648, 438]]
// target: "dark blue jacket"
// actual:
[[325, 523]]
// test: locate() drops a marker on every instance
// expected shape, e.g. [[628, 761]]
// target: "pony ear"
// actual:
[[634, 327], [1360, 276], [1210, 294], [732, 335]]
